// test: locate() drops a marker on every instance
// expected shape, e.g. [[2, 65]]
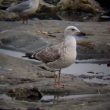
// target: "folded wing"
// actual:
[[49, 54], [19, 7]]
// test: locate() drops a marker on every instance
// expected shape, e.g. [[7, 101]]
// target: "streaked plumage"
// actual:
[[61, 55]]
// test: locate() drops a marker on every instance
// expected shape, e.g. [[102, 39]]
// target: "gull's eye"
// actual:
[[73, 29]]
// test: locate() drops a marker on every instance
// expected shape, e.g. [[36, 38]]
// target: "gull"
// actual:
[[24, 9], [60, 55]]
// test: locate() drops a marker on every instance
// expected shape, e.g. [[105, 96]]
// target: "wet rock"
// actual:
[[25, 93]]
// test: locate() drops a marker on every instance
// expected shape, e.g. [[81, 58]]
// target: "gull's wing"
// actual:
[[49, 54], [19, 7]]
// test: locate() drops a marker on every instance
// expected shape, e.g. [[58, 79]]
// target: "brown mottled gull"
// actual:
[[61, 55]]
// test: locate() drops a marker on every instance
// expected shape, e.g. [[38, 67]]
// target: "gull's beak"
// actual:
[[81, 34]]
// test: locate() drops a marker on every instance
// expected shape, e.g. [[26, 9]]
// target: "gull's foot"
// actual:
[[55, 85]]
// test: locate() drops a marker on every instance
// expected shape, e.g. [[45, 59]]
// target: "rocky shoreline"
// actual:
[[23, 83]]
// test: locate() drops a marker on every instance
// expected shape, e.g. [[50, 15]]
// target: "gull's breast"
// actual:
[[68, 57]]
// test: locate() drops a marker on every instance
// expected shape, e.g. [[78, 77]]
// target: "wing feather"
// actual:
[[19, 7], [49, 54]]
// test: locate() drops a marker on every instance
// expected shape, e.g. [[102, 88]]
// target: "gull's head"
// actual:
[[73, 31]]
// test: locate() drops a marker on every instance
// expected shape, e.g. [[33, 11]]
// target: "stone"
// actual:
[[4, 15], [25, 93], [82, 5]]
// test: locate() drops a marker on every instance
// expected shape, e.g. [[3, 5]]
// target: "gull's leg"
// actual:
[[59, 77], [24, 19], [56, 79], [59, 81]]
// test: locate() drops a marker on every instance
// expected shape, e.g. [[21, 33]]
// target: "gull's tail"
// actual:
[[29, 55]]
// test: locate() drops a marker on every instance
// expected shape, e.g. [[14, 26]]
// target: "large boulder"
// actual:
[[80, 5], [79, 9]]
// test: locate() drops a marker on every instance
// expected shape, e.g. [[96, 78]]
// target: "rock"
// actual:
[[45, 7], [78, 9], [25, 93], [79, 5], [4, 15]]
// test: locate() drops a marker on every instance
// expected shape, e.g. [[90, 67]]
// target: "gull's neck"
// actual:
[[70, 41], [35, 2]]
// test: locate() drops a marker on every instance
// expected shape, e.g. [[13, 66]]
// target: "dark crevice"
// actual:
[[104, 3]]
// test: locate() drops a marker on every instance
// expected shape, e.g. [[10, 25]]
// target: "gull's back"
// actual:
[[19, 7], [24, 7]]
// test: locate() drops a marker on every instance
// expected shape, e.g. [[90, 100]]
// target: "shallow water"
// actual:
[[78, 69], [15, 54], [94, 70], [52, 98]]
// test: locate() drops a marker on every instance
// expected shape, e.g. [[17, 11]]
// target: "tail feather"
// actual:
[[29, 55], [9, 9]]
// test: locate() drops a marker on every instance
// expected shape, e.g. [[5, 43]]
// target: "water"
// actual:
[[56, 98], [15, 54], [12, 53], [90, 70], [78, 69]]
